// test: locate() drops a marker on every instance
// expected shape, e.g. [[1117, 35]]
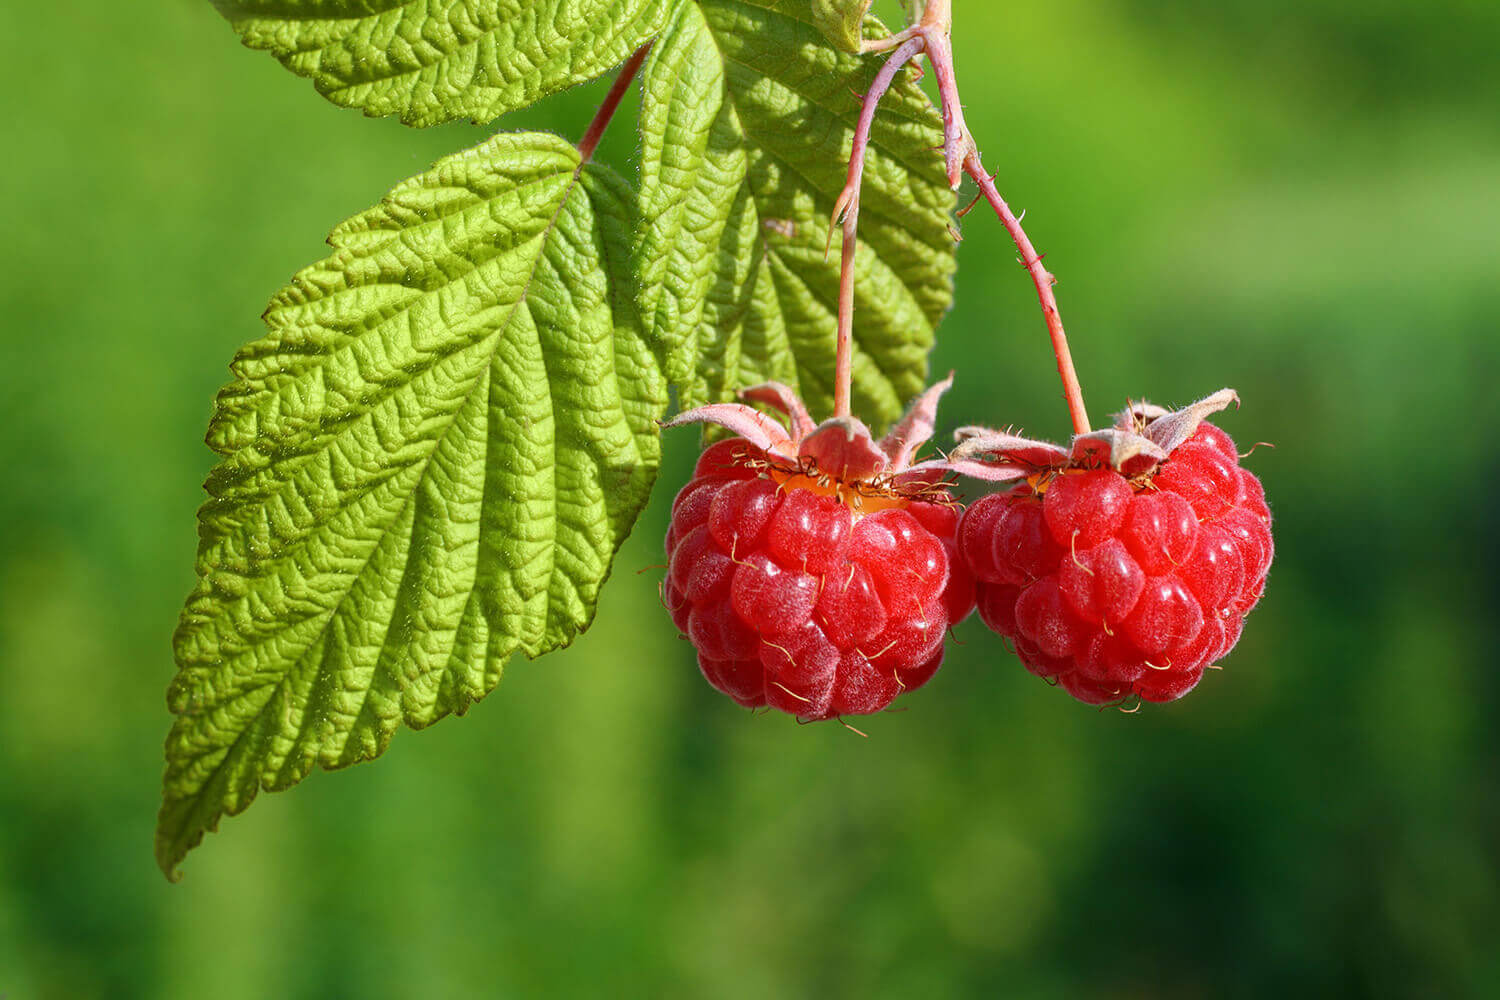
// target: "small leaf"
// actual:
[[841, 21], [427, 465], [747, 122], [432, 61]]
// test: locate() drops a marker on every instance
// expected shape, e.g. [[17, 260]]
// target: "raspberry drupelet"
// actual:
[[814, 569], [1125, 565]]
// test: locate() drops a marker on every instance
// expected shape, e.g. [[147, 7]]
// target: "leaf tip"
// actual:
[[170, 850]]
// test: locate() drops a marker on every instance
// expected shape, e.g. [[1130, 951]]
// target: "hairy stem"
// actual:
[[937, 30], [932, 36], [847, 206], [617, 90], [962, 156]]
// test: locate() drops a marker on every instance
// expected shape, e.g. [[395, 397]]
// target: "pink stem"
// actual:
[[848, 206], [622, 83], [962, 157], [843, 359], [957, 142], [933, 35]]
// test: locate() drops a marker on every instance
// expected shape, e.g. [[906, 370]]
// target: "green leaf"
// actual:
[[747, 121], [841, 21], [433, 61], [427, 465]]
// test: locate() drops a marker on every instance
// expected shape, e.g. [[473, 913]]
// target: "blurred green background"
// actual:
[[1301, 200]]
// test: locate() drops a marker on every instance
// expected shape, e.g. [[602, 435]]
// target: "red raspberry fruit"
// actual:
[[814, 571], [1126, 565]]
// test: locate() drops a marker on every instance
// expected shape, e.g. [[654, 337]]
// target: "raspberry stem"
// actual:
[[847, 207], [932, 36], [617, 90]]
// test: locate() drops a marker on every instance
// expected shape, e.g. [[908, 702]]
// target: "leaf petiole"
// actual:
[[623, 80]]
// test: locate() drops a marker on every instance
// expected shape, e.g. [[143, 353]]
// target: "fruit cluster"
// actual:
[[817, 571]]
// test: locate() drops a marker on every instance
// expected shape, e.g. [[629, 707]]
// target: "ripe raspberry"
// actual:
[[814, 571], [1126, 565]]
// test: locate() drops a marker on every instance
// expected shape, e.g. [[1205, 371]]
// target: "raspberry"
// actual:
[[814, 571], [1126, 565]]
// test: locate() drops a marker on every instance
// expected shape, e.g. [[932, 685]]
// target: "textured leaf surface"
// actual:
[[746, 126], [432, 61], [427, 465]]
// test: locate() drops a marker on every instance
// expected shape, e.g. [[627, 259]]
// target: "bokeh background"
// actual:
[[1301, 200]]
